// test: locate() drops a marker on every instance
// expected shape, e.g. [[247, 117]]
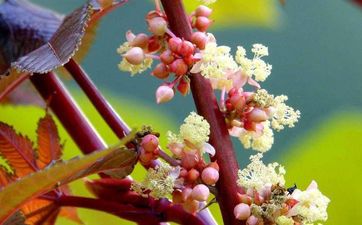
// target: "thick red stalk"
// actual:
[[207, 106], [68, 112], [165, 211]]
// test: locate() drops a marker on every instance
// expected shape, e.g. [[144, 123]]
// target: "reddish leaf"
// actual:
[[40, 211], [5, 177], [49, 147], [16, 219], [17, 150]]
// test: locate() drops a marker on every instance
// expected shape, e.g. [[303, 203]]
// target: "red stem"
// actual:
[[22, 77], [110, 116], [164, 211], [68, 112], [207, 106]]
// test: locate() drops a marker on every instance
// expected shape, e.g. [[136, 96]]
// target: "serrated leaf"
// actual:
[[49, 147], [5, 177], [14, 195], [61, 47], [17, 150], [16, 219], [24, 27]]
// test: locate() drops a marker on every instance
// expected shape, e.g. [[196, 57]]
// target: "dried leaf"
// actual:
[[61, 47], [24, 27], [49, 147], [17, 150], [14, 195]]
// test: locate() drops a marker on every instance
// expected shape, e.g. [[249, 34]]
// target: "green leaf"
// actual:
[[331, 155], [237, 13], [17, 193]]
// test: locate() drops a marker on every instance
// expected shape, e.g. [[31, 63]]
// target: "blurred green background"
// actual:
[[315, 49]]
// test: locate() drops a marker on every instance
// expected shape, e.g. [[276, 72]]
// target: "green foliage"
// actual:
[[247, 12], [331, 154]]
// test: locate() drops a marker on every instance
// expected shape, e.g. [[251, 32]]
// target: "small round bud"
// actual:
[[242, 211], [192, 175], [186, 48], [183, 86], [189, 160], [238, 102], [167, 57], [186, 193], [202, 23], [200, 192], [199, 39], [153, 44], [149, 143], [252, 220], [244, 198], [157, 26], [250, 125], [145, 157], [160, 71], [191, 206], [257, 115], [203, 11], [135, 55], [140, 40], [179, 67], [164, 94], [214, 165], [177, 197], [210, 176], [174, 43]]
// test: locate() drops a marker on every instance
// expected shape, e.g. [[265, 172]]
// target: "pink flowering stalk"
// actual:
[[202, 168]]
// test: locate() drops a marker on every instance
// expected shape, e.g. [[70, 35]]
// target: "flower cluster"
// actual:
[[267, 201], [250, 115], [189, 182], [175, 55]]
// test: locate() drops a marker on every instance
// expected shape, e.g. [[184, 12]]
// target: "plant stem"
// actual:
[[22, 77], [207, 106], [165, 211], [68, 112], [110, 116]]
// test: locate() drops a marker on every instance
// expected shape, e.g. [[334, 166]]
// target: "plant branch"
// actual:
[[207, 106], [161, 212], [110, 116], [68, 112], [22, 77]]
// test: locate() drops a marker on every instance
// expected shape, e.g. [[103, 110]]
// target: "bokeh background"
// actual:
[[315, 49]]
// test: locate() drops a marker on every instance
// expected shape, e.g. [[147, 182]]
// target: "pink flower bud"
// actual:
[[160, 71], [135, 55], [177, 197], [199, 39], [164, 94], [191, 206], [257, 115], [238, 102], [149, 143], [179, 67], [189, 160], [146, 157], [192, 175], [202, 23], [214, 165], [183, 86], [244, 198], [186, 193], [153, 44], [210, 176], [141, 40], [173, 43], [252, 220], [157, 26], [200, 192], [242, 211], [250, 125], [186, 48], [167, 57], [203, 11]]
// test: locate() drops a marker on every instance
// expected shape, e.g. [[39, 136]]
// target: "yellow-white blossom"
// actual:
[[256, 67], [124, 65], [159, 182], [258, 175], [312, 204], [283, 115], [259, 142], [283, 220], [195, 129], [215, 61], [207, 2]]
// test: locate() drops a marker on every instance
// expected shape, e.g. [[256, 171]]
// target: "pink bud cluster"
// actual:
[[149, 149], [241, 111], [195, 189], [176, 55], [266, 198]]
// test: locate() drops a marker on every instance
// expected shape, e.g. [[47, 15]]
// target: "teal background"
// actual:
[[316, 53]]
